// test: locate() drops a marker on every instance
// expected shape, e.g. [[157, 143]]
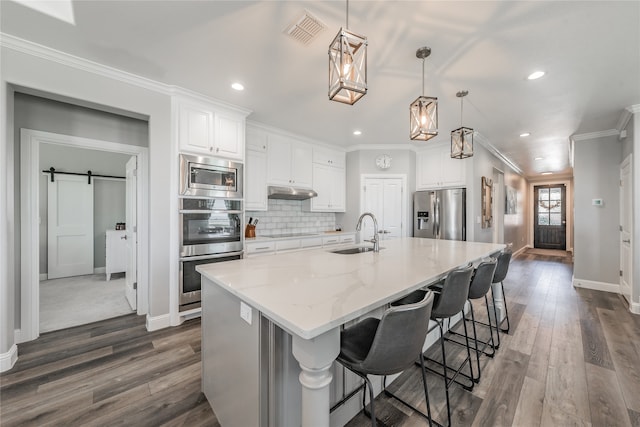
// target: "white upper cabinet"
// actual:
[[255, 193], [329, 181], [288, 162], [436, 169], [210, 129]]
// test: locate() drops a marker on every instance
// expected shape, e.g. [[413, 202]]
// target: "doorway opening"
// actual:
[[550, 217], [71, 254]]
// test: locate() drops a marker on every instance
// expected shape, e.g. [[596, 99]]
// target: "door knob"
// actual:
[[626, 241]]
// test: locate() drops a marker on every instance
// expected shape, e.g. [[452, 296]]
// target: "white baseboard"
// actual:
[[43, 276], [8, 359], [158, 322], [634, 307], [99, 270], [596, 286], [522, 249]]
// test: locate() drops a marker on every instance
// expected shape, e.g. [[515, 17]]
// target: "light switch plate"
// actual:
[[246, 312], [597, 202]]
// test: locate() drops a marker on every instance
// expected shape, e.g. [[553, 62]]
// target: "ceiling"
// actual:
[[590, 51]]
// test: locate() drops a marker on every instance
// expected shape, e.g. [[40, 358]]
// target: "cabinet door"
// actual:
[[229, 136], [329, 157], [453, 171], [302, 159], [338, 193], [255, 195], [195, 128], [278, 160], [429, 169], [322, 183]]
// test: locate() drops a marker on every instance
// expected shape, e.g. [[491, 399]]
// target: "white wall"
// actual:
[[596, 174], [20, 69], [515, 226]]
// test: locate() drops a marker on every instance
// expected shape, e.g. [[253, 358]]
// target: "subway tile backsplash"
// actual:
[[287, 216]]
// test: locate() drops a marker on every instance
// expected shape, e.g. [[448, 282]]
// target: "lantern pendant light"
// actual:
[[347, 66], [461, 138], [423, 112]]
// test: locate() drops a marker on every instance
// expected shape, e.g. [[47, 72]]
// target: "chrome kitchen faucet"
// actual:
[[374, 240]]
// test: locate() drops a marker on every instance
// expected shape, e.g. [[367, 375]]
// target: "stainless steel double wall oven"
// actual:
[[211, 219]]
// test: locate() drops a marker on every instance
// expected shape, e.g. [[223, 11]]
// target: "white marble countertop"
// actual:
[[297, 236], [311, 292]]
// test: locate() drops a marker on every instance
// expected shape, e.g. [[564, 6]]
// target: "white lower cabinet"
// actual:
[[116, 252], [258, 248], [270, 247]]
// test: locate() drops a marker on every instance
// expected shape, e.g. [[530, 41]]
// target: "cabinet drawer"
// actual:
[[286, 245], [326, 241], [262, 247], [351, 238], [310, 243]]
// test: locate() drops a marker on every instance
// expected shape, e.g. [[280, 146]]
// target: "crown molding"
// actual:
[[478, 137], [634, 108], [594, 135], [37, 50], [34, 49]]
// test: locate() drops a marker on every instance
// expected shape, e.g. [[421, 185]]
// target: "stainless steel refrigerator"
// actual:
[[440, 214]]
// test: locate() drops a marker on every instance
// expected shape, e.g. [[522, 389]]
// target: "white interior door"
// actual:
[[626, 229], [383, 198], [131, 273], [69, 226]]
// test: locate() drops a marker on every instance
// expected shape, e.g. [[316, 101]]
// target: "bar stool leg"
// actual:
[[506, 310], [495, 314]]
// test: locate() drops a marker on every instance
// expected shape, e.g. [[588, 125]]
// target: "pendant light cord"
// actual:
[[347, 14], [461, 111], [422, 76]]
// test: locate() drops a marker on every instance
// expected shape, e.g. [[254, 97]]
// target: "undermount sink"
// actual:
[[358, 250]]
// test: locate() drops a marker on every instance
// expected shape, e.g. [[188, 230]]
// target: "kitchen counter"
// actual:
[[296, 236], [310, 294]]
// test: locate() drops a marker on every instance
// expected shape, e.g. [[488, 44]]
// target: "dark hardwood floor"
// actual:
[[572, 357]]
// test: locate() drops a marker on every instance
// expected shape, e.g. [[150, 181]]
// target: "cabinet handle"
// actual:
[[217, 149], [262, 248], [123, 237]]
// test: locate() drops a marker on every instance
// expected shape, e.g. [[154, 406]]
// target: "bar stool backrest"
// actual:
[[399, 338], [455, 292], [482, 278], [503, 266]]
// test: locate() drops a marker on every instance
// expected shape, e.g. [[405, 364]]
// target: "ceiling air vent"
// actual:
[[305, 29]]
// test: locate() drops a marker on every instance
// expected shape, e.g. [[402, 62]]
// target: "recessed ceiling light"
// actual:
[[546, 173], [539, 158], [536, 75], [522, 135], [357, 132], [237, 86]]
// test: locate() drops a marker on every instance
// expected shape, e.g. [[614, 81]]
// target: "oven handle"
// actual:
[[199, 257], [200, 211]]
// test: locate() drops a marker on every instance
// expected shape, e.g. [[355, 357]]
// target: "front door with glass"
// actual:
[[550, 230]]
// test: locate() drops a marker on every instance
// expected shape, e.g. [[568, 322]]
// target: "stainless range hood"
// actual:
[[290, 193]]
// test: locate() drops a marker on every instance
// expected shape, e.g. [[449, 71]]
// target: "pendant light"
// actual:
[[347, 66], [423, 112], [461, 138]]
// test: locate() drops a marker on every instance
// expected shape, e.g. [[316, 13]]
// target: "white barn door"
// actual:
[[70, 226]]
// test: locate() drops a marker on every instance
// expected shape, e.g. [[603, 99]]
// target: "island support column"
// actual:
[[315, 357]]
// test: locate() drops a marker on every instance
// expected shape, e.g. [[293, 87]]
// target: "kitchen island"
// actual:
[[308, 295]]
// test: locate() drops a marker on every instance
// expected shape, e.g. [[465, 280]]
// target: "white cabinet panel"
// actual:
[[436, 169], [209, 129], [288, 162], [116, 252], [255, 191], [329, 182], [329, 157]]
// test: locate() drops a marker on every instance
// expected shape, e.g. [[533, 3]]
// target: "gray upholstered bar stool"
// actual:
[[388, 346], [501, 273], [450, 300], [479, 288]]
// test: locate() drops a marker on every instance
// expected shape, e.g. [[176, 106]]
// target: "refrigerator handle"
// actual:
[[436, 212]]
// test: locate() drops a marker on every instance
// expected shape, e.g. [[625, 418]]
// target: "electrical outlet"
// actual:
[[246, 312]]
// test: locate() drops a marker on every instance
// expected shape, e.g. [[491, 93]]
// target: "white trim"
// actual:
[[158, 322], [479, 138], [522, 249], [100, 270], [44, 276], [594, 135], [17, 336], [635, 108], [30, 141], [386, 147], [8, 359], [624, 120], [634, 307], [597, 286]]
